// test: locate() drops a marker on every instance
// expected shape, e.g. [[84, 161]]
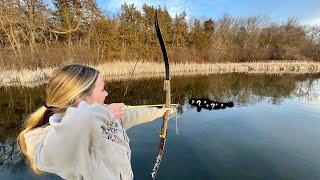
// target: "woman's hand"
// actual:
[[171, 110], [117, 109]]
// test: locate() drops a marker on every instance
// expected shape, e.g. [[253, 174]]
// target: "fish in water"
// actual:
[[209, 104]]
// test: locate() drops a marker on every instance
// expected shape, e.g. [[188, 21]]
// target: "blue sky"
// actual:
[[307, 11]]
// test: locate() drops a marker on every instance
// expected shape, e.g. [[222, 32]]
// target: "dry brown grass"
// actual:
[[121, 70]]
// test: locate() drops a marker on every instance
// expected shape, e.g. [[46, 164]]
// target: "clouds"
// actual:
[[178, 6], [110, 6], [313, 18], [312, 21], [173, 6]]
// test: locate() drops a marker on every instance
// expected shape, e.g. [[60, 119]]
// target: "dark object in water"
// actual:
[[209, 104]]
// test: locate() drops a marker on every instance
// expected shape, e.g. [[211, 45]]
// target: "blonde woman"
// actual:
[[75, 135]]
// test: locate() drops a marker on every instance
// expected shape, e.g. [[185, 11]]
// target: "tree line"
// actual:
[[34, 34]]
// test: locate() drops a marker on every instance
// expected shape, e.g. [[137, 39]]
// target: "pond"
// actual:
[[271, 132]]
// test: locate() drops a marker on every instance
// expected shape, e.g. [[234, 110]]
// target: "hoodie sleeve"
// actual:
[[139, 115], [66, 149]]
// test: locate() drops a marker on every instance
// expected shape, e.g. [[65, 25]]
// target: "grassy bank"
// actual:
[[121, 71]]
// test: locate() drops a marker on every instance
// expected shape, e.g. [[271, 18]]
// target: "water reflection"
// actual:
[[242, 89]]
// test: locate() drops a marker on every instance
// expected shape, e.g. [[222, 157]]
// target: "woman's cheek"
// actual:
[[104, 95]]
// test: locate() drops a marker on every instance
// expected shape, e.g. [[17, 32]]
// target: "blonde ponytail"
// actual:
[[33, 120]]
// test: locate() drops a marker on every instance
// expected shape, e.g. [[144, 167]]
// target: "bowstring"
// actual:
[[126, 91]]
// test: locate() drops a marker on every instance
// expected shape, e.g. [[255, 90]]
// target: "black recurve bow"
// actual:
[[164, 127]]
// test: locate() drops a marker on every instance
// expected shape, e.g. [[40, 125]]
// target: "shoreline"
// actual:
[[117, 71]]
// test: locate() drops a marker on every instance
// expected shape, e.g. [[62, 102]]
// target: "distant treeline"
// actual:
[[34, 34]]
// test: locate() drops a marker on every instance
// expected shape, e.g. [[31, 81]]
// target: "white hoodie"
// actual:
[[88, 142]]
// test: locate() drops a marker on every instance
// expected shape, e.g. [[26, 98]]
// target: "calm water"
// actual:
[[271, 133]]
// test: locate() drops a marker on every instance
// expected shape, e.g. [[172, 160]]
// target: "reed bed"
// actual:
[[120, 70]]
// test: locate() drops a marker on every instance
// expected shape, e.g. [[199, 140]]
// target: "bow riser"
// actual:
[[164, 126]]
